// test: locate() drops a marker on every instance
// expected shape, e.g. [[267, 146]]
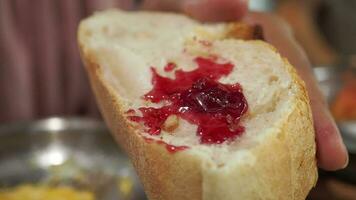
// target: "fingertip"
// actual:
[[330, 164], [332, 153]]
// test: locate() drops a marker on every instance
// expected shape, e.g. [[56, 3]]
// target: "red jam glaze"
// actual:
[[174, 149], [170, 148], [169, 67], [130, 111], [153, 118], [168, 89], [199, 98]]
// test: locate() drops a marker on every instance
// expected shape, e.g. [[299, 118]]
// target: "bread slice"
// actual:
[[274, 158]]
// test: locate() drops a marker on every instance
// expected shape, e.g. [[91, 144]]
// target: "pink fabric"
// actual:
[[40, 70]]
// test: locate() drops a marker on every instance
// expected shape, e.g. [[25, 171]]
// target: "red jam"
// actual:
[[198, 97], [170, 148], [170, 67], [173, 149]]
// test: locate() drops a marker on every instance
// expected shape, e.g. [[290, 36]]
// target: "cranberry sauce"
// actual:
[[170, 67], [170, 148], [198, 97]]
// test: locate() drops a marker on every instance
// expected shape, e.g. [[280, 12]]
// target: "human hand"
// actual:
[[20, 100], [331, 151]]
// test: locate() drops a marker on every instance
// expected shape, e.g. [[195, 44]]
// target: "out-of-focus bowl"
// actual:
[[76, 152], [331, 81]]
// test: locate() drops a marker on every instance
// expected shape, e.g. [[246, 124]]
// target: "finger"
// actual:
[[95, 5], [204, 10], [331, 151], [216, 10], [165, 5]]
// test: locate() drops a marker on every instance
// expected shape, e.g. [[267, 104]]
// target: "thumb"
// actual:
[[204, 10]]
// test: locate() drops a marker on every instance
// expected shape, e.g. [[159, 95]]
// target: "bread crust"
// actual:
[[181, 176]]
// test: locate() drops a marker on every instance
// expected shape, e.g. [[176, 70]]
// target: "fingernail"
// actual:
[[347, 157], [341, 141]]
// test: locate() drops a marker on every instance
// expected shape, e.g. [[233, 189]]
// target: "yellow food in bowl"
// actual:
[[40, 192]]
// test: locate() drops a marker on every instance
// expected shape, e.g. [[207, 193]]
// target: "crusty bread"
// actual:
[[275, 156]]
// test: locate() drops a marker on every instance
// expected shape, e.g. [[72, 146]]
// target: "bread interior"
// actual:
[[126, 45]]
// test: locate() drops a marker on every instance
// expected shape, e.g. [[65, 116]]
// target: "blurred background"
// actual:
[[46, 102], [326, 29]]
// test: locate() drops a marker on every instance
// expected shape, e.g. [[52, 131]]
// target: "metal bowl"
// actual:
[[76, 152]]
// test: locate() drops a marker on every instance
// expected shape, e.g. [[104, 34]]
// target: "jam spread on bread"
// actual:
[[170, 148], [170, 67], [197, 97]]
